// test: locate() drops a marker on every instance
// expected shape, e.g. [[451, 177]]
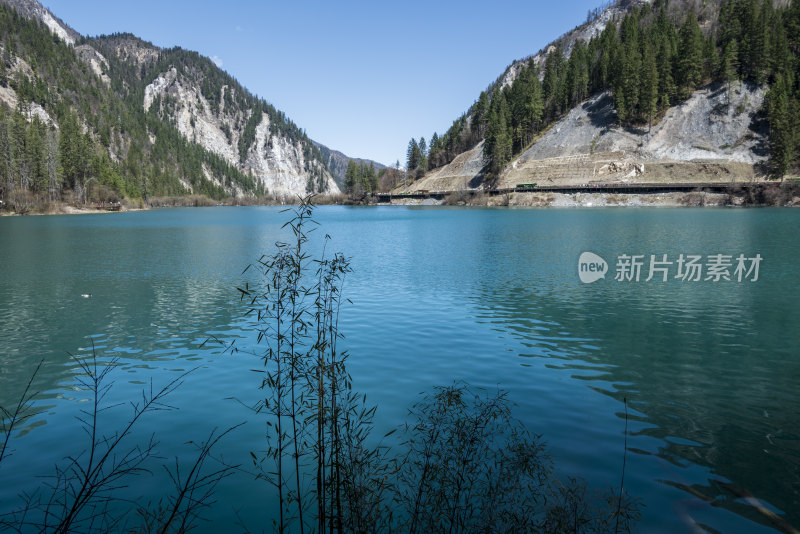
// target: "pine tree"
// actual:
[[373, 178], [648, 95], [70, 148], [35, 147], [779, 54], [350, 177], [729, 66], [51, 165], [22, 164], [690, 55], [780, 129], [759, 57], [534, 107], [480, 116], [6, 174], [552, 83], [413, 155], [436, 156], [666, 82], [711, 58], [792, 24], [497, 150], [750, 48], [631, 81]]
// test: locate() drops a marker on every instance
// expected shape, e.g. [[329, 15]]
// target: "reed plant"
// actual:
[[463, 463], [83, 493], [318, 458]]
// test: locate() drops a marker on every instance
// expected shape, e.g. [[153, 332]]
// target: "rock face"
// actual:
[[715, 135], [9, 97], [34, 10], [95, 60], [280, 164], [132, 50], [584, 32], [715, 123], [464, 172]]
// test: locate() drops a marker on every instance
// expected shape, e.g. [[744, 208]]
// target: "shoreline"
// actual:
[[68, 210], [692, 199], [597, 200]]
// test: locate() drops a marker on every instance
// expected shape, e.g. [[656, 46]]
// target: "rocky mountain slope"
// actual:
[[715, 135], [717, 128], [232, 142], [34, 10], [599, 19]]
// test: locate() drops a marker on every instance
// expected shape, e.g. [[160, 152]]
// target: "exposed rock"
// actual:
[[712, 136], [57, 28], [584, 32], [713, 124], [464, 172], [276, 162], [130, 48], [9, 96], [34, 10], [96, 61]]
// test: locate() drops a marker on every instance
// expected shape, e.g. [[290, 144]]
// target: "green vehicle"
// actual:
[[526, 187]]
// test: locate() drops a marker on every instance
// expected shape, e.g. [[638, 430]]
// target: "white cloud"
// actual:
[[239, 29], [217, 61]]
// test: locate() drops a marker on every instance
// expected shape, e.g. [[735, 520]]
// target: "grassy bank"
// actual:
[[30, 205]]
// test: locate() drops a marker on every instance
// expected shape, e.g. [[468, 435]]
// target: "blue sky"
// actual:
[[360, 77]]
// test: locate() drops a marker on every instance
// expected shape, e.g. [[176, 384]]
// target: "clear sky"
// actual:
[[360, 77]]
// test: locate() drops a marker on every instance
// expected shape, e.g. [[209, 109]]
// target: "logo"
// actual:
[[663, 267], [591, 267]]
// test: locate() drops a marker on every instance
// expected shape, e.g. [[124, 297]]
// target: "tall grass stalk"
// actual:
[[316, 424], [83, 493]]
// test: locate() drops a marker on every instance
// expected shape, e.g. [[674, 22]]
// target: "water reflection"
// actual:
[[159, 285], [709, 370], [488, 296]]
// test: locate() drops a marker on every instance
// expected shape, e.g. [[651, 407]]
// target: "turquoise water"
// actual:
[[710, 370]]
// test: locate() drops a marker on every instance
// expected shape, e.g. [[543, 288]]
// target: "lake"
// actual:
[[710, 369]]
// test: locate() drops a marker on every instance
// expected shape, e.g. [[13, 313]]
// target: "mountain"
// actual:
[[644, 90], [210, 108], [34, 10], [115, 115], [337, 162]]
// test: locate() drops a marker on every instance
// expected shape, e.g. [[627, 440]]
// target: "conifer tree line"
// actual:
[[652, 58], [100, 139], [360, 178], [417, 155]]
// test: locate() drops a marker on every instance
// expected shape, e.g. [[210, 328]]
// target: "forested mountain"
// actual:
[[338, 163], [115, 117], [648, 56]]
